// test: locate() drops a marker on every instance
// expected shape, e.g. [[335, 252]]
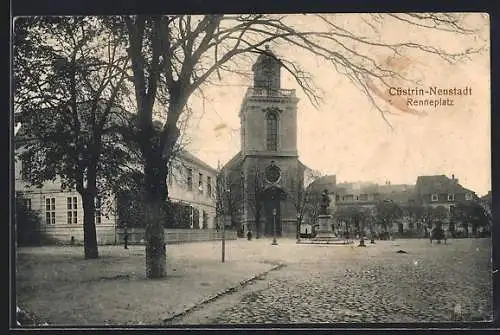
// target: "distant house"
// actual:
[[367, 195], [439, 190]]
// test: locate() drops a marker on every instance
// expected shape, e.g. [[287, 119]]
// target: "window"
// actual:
[[272, 131], [337, 197], [72, 210], [468, 196], [209, 186], [205, 220], [272, 173], [434, 197], [190, 179], [349, 197], [451, 197], [200, 183], [97, 210], [363, 197], [50, 210], [27, 203]]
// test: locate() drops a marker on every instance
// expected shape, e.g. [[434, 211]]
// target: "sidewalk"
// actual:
[[59, 287]]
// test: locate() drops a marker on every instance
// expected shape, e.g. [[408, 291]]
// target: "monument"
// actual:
[[324, 219]]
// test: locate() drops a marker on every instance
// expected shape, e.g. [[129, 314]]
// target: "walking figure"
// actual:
[[125, 238], [249, 235]]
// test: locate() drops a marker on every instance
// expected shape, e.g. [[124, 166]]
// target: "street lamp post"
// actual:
[[228, 192], [223, 240], [274, 227], [298, 228]]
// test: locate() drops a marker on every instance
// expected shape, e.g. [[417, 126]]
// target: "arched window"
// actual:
[[272, 131]]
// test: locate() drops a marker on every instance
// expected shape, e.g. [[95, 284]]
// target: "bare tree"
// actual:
[[304, 197], [253, 193], [173, 56], [387, 212]]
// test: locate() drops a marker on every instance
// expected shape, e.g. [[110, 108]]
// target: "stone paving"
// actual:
[[429, 283]]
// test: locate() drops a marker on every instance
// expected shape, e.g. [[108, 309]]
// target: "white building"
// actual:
[[191, 181]]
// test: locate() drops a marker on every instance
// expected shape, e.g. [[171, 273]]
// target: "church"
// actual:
[[263, 181]]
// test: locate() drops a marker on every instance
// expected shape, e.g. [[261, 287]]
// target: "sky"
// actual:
[[346, 136]]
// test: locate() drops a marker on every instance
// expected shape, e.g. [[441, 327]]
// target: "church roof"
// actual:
[[304, 166], [328, 182], [233, 162]]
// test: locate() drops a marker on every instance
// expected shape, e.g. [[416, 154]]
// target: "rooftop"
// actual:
[[439, 184]]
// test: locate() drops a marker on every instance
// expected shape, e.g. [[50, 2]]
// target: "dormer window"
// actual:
[[451, 197], [434, 197], [468, 196]]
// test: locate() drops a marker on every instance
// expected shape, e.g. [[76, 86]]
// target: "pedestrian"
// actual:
[[125, 237], [249, 235]]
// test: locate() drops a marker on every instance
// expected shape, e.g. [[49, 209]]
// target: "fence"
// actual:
[[107, 235], [136, 235], [73, 234]]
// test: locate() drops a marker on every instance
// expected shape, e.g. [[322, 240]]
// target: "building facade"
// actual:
[[439, 190], [265, 175], [191, 182], [429, 192]]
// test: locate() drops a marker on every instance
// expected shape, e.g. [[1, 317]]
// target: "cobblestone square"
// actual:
[[331, 284]]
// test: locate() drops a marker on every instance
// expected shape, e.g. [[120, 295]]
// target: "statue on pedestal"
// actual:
[[325, 202]]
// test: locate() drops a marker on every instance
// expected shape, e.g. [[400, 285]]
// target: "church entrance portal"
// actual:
[[272, 200]]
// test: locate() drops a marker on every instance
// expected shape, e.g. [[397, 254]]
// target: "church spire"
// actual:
[[267, 71]]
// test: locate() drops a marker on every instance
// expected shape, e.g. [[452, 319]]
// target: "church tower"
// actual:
[[271, 171]]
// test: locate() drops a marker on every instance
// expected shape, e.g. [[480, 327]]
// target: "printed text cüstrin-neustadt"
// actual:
[[433, 96]]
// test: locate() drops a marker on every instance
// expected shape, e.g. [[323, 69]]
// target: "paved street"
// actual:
[[320, 283]]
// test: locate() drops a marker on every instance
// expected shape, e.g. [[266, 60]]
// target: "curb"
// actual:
[[223, 293]]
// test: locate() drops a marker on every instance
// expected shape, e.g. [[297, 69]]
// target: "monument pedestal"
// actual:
[[324, 233], [325, 227]]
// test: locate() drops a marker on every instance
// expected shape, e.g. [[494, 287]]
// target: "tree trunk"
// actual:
[[156, 255], [89, 229], [156, 194]]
